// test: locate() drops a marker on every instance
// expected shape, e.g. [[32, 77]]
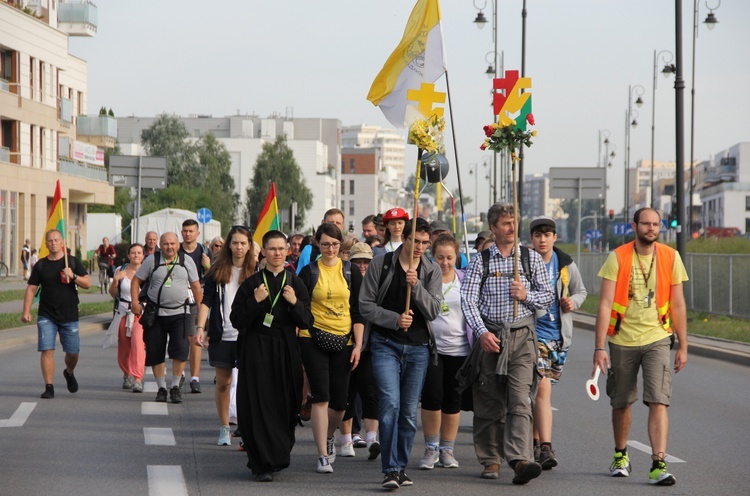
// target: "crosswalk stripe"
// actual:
[[159, 436], [150, 387], [166, 480], [151, 408], [647, 449], [20, 416]]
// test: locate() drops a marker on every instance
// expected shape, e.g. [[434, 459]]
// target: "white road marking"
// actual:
[[150, 387], [554, 409], [166, 480], [19, 416], [647, 449], [151, 408], [159, 436]]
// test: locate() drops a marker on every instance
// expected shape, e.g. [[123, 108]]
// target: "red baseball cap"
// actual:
[[395, 213]]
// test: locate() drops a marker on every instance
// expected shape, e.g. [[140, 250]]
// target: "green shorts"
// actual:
[[622, 377]]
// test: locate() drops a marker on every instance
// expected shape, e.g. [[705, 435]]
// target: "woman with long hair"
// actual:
[[395, 220], [234, 263]]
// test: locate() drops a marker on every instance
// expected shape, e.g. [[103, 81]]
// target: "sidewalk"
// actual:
[[720, 349]]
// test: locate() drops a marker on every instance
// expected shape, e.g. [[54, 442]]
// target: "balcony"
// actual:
[[65, 113], [77, 19], [4, 154], [79, 169], [100, 130]]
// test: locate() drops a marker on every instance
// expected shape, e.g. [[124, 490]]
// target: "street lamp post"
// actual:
[[475, 172], [480, 20], [631, 120], [604, 161], [668, 69], [710, 23]]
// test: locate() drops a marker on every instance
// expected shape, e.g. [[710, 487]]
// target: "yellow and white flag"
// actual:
[[418, 58]]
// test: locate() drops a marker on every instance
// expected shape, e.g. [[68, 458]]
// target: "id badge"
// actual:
[[551, 316], [168, 282], [445, 309], [268, 320]]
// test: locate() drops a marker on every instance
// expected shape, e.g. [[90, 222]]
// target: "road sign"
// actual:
[[565, 182], [204, 215], [593, 234], [123, 171], [621, 228]]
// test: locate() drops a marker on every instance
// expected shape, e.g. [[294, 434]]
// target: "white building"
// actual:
[[725, 192], [391, 146], [315, 142]]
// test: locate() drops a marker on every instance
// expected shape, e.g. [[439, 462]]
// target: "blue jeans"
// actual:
[[69, 337], [399, 372]]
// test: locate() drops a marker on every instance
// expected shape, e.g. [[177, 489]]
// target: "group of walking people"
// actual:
[[368, 334]]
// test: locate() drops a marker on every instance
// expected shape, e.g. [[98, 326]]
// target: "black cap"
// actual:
[[439, 225], [542, 221]]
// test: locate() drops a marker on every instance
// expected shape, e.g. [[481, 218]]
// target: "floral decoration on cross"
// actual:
[[506, 135], [427, 134]]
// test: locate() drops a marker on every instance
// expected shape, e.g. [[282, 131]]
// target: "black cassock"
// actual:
[[269, 387]]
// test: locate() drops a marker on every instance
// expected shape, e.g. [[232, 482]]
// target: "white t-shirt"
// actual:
[[392, 245], [450, 324], [124, 305], [230, 291]]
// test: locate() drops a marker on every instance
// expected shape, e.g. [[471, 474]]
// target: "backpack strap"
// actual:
[[526, 262], [387, 261], [485, 267], [346, 269]]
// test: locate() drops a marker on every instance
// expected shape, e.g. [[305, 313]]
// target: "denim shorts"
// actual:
[[69, 337]]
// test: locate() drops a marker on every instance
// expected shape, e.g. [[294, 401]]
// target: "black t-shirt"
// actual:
[[197, 256], [58, 301], [395, 300]]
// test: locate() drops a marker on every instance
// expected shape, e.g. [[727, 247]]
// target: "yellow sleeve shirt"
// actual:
[[330, 301]]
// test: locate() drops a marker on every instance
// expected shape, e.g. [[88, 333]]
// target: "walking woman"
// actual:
[[131, 350], [441, 403], [395, 220], [234, 263], [329, 353]]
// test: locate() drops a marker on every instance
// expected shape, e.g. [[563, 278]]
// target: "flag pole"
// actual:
[[458, 169], [414, 223], [516, 217]]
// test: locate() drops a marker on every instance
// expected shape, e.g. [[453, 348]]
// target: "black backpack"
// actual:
[[346, 268], [525, 264], [143, 295]]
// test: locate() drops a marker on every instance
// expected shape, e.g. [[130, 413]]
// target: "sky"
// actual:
[[318, 59]]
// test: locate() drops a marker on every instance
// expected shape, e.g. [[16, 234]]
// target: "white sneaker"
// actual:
[[447, 460], [324, 465], [429, 459], [225, 439], [331, 449], [347, 449]]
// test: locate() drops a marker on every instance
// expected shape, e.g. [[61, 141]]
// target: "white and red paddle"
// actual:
[[592, 388]]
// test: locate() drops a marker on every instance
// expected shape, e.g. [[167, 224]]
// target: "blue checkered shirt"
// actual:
[[493, 301]]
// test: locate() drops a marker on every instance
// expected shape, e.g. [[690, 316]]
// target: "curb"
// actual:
[[27, 335], [699, 345]]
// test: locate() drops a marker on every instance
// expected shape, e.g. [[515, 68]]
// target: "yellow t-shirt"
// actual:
[[641, 325], [330, 301]]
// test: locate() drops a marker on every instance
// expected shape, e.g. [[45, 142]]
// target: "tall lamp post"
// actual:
[[604, 161], [474, 171], [710, 23], [668, 70], [492, 71], [631, 120]]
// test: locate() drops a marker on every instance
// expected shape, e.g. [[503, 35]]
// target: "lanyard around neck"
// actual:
[[451, 286], [283, 281]]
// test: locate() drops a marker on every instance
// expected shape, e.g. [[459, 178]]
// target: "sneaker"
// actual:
[[404, 480], [71, 380], [195, 387], [324, 465], [491, 471], [242, 446], [49, 392], [373, 450], [660, 477], [525, 471], [127, 382], [358, 442], [537, 452], [430, 457], [161, 395], [391, 481], [347, 449], [237, 433], [224, 437], [306, 412], [331, 450], [547, 458], [175, 396], [264, 477], [446, 458], [137, 387], [232, 420], [620, 465]]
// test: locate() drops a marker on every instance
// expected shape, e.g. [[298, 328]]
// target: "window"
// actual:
[[747, 203], [747, 226], [343, 205], [343, 187], [351, 186], [351, 166], [351, 207]]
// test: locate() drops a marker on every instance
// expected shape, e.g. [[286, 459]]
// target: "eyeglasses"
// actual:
[[649, 224], [334, 245], [422, 243]]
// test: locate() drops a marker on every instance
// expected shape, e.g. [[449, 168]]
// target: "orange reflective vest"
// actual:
[[665, 257]]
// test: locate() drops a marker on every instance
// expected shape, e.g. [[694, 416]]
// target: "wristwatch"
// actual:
[[75, 276]]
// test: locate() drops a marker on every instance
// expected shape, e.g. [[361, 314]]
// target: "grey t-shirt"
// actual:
[[176, 290]]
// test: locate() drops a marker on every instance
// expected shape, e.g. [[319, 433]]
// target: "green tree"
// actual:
[[215, 179], [276, 163], [168, 137]]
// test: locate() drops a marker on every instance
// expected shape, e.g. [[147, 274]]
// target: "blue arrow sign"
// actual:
[[204, 215]]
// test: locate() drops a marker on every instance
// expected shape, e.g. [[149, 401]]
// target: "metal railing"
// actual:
[[83, 170]]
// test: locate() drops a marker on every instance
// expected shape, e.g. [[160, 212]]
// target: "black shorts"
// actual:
[[155, 338], [327, 373], [222, 354], [439, 391]]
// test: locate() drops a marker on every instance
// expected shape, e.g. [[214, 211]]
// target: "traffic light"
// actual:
[[611, 214], [673, 216]]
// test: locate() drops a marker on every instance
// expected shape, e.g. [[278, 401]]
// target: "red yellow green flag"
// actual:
[[56, 219], [268, 220]]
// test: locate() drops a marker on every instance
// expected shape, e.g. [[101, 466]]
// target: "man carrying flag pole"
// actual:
[[58, 274]]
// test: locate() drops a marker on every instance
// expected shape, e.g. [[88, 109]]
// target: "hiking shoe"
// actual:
[[491, 471], [358, 442], [525, 471], [175, 396], [347, 449], [137, 387], [195, 387], [547, 458], [537, 452], [404, 480], [49, 392], [446, 458], [324, 465], [264, 477], [127, 382], [331, 450], [659, 475], [161, 395], [224, 437], [391, 481], [620, 465], [71, 380], [373, 450], [430, 457]]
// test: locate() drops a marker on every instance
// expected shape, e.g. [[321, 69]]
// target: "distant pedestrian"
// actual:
[[59, 276], [25, 257], [215, 245], [106, 254], [34, 258], [151, 245]]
